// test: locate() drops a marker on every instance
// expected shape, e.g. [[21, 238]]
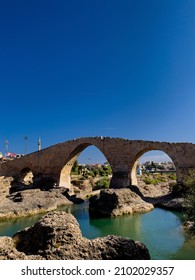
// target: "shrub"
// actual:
[[75, 168], [172, 176], [189, 194], [103, 183], [148, 180]]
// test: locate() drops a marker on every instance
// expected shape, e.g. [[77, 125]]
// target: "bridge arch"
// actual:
[[134, 163], [26, 175], [65, 174]]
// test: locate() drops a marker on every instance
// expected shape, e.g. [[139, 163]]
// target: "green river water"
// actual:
[[160, 230]]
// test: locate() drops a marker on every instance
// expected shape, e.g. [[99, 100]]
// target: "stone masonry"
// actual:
[[122, 154]]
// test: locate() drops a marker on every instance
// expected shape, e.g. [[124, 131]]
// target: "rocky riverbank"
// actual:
[[57, 236], [28, 201], [19, 199]]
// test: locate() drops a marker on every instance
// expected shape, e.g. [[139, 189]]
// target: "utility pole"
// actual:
[[25, 144], [39, 144], [6, 146]]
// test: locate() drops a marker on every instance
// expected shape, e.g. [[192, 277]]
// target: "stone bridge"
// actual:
[[122, 154]]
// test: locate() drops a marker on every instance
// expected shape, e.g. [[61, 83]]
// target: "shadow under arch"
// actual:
[[26, 175], [65, 178], [134, 166], [24, 180]]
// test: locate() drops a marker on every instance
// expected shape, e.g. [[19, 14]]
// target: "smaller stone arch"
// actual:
[[134, 164], [26, 176], [23, 180]]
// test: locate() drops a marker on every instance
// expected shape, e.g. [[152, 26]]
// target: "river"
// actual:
[[160, 230]]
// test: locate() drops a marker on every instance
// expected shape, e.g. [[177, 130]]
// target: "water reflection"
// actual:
[[159, 230], [10, 227], [162, 233], [187, 251]]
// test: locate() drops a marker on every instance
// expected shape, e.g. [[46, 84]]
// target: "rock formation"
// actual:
[[9, 252], [57, 236], [170, 202], [115, 202], [29, 201]]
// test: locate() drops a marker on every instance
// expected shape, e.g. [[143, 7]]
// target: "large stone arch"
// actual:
[[65, 178], [133, 165]]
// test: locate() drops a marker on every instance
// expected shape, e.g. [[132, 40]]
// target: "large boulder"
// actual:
[[9, 252], [30, 202], [57, 236], [172, 203], [115, 202]]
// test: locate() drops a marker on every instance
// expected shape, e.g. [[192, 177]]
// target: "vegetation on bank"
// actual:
[[187, 191], [155, 179], [189, 194], [103, 183], [91, 171], [102, 174]]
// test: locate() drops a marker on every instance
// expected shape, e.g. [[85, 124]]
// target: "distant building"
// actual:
[[139, 170], [98, 165]]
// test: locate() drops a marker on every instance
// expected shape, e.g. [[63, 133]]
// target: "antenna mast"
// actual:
[[39, 144], [6, 146]]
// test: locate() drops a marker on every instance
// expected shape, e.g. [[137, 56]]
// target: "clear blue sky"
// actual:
[[79, 68]]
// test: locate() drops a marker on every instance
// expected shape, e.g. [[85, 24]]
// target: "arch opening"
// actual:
[[87, 170], [153, 169], [26, 176], [24, 180]]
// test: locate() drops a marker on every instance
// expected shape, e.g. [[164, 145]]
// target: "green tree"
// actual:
[[189, 185], [107, 169], [75, 168], [95, 171]]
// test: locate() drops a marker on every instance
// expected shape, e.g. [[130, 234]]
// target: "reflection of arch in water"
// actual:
[[133, 171], [65, 179]]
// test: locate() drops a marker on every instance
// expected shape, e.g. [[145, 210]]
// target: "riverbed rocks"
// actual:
[[115, 202], [57, 236], [5, 185], [171, 203], [21, 198], [30, 202], [151, 190], [9, 252]]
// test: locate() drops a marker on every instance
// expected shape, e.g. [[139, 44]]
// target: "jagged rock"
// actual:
[[173, 203], [30, 202], [57, 236], [115, 202], [5, 185], [9, 252], [73, 197]]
